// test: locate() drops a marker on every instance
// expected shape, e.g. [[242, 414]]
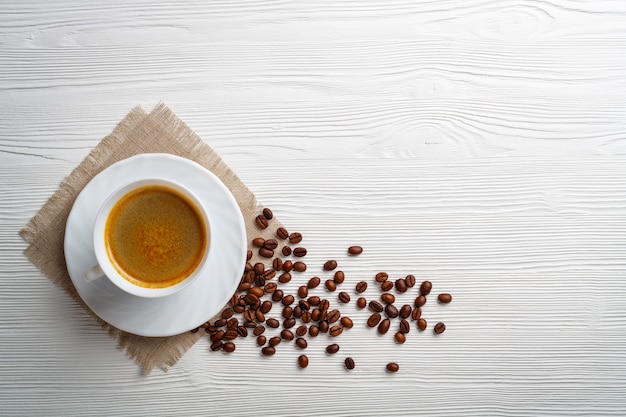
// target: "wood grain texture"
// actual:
[[480, 144]]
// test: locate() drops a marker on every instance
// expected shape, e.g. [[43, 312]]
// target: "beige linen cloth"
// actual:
[[160, 131]]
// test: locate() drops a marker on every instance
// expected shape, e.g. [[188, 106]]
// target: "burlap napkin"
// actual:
[[139, 132]]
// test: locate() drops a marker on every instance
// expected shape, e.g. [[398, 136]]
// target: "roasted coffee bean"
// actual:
[[261, 222], [349, 363], [260, 340], [268, 350], [227, 313], [330, 285], [232, 323], [273, 323], [239, 309], [220, 323], [299, 252], [344, 297], [303, 291], [297, 312], [330, 265], [230, 334], [259, 268], [258, 291], [323, 326], [416, 313], [410, 280], [248, 255], [301, 343], [425, 288], [386, 286], [251, 298], [361, 302], [314, 330], [347, 322], [249, 276], [333, 316], [420, 301], [313, 282], [374, 320], [383, 327], [355, 250], [286, 251], [266, 253], [304, 305], [288, 300], [282, 233], [314, 300], [250, 324], [287, 312], [405, 327], [217, 345], [267, 213], [287, 266], [401, 285], [269, 274], [299, 266], [244, 286], [405, 311], [274, 341], [332, 349], [400, 337], [335, 331], [228, 347], [391, 311], [248, 266], [324, 305], [277, 264], [270, 287], [284, 278], [393, 367], [260, 317], [421, 324], [376, 306], [266, 307], [444, 298], [361, 287], [270, 244], [316, 314], [210, 328], [248, 315], [301, 330], [382, 277], [289, 323], [303, 361], [259, 280], [439, 328], [218, 335], [339, 277], [277, 295], [258, 242], [295, 238], [306, 317], [388, 298], [259, 330]]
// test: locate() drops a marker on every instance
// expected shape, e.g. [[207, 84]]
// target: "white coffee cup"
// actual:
[[106, 268]]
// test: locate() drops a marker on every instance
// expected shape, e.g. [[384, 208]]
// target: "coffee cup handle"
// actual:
[[93, 273]]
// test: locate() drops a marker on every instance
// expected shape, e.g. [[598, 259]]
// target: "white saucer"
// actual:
[[189, 307]]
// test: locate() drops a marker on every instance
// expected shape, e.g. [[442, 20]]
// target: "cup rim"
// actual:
[[102, 257]]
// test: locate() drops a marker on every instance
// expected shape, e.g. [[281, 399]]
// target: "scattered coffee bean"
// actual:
[[273, 323], [287, 265], [274, 341], [247, 267], [324, 305], [388, 298], [323, 326], [355, 250], [304, 304], [416, 313], [288, 300], [405, 311], [267, 213], [382, 277], [299, 266], [287, 312], [239, 309], [286, 250], [229, 347], [248, 255], [425, 288], [250, 299], [391, 311], [401, 285], [261, 222], [227, 313], [373, 320], [314, 282], [259, 268], [295, 238], [314, 331], [393, 367], [277, 264], [361, 287], [282, 233], [383, 327], [260, 340], [250, 324], [339, 277], [335, 331], [297, 312], [376, 306], [349, 363], [258, 241], [299, 252], [361, 302], [420, 301], [330, 285], [257, 291], [421, 324], [400, 337], [301, 343], [301, 330], [332, 349], [347, 322], [266, 307], [259, 330], [232, 323], [410, 280], [218, 335], [314, 300], [277, 295], [303, 361], [386, 286], [405, 327], [269, 274], [316, 314], [289, 323], [270, 244], [284, 278], [306, 317], [330, 265], [439, 328], [268, 350], [344, 297], [444, 298], [230, 334], [217, 345], [333, 316], [266, 253]]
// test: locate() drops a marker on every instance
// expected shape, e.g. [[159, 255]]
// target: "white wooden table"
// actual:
[[479, 144]]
